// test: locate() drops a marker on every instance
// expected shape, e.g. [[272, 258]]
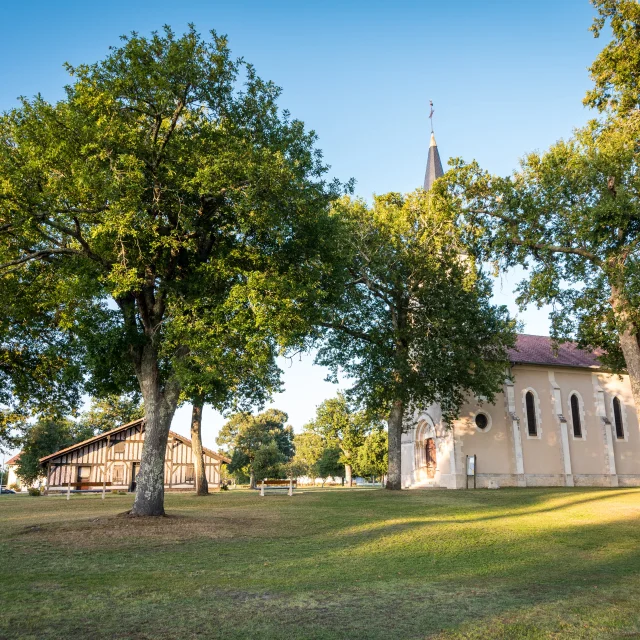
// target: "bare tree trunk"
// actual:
[[347, 475], [159, 407], [252, 480], [628, 336], [200, 472], [394, 477]]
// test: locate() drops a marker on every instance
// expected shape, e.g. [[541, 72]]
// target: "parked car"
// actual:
[[3, 490]]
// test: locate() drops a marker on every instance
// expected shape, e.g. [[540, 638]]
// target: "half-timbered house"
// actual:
[[111, 460]]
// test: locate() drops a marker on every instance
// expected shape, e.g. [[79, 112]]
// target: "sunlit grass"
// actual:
[[535, 563]]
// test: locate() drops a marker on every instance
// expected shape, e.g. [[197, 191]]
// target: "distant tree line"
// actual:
[[338, 443]]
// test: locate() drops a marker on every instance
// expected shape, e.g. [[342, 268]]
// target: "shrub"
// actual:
[[34, 491], [14, 487]]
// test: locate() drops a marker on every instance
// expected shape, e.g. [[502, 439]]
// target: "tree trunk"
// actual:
[[159, 407], [347, 474], [629, 344], [394, 476], [252, 480], [200, 472]]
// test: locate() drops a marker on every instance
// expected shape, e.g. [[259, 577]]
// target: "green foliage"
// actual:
[[329, 464], [415, 323], [260, 444], [179, 219], [108, 413], [268, 462], [34, 491], [340, 426], [372, 458], [40, 368], [309, 447], [46, 436], [616, 70], [571, 215]]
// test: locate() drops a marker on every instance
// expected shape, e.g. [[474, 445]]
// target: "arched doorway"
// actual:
[[425, 468], [430, 456]]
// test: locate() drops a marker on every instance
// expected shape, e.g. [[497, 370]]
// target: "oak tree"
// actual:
[[415, 324], [167, 174]]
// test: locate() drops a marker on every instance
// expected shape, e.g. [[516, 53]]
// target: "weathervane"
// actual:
[[431, 114]]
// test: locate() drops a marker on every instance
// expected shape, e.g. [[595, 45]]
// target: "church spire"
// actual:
[[434, 165]]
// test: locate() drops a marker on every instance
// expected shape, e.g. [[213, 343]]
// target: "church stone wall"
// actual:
[[587, 453], [554, 457], [541, 453], [627, 450], [493, 447]]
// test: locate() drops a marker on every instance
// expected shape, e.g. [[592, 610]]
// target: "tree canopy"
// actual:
[[572, 216], [341, 427], [177, 216], [259, 445], [415, 324], [372, 458], [616, 70], [47, 436], [104, 414]]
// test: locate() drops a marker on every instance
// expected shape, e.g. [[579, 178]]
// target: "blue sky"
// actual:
[[506, 78]]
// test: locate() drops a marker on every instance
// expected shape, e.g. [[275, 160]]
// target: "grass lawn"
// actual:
[[335, 563]]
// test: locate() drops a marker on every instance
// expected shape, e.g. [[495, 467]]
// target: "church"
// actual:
[[561, 420]]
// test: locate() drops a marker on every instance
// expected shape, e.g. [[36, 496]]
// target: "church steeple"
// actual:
[[434, 166]]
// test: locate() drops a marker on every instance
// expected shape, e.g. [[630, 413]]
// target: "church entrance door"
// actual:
[[430, 446]]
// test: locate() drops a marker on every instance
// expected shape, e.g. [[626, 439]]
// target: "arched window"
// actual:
[[617, 418], [532, 424], [575, 415]]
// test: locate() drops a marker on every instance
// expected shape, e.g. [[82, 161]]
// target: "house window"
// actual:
[[617, 418], [83, 474], [575, 416], [190, 474], [483, 422], [532, 423]]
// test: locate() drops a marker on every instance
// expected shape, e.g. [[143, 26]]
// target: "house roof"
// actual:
[[140, 422], [14, 459], [539, 350]]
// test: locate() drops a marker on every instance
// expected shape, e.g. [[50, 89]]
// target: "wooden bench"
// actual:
[[88, 485], [278, 485]]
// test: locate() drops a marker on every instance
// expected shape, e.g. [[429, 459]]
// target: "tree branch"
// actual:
[[538, 245], [39, 254]]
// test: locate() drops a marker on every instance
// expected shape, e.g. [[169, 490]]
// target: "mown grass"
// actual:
[[534, 563]]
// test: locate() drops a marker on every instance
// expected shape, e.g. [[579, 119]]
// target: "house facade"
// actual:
[[112, 460], [13, 480]]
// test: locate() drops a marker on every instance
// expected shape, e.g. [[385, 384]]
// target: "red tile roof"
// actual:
[[539, 350], [14, 459]]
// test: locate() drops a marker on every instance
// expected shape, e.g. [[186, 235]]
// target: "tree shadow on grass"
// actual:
[[521, 566]]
